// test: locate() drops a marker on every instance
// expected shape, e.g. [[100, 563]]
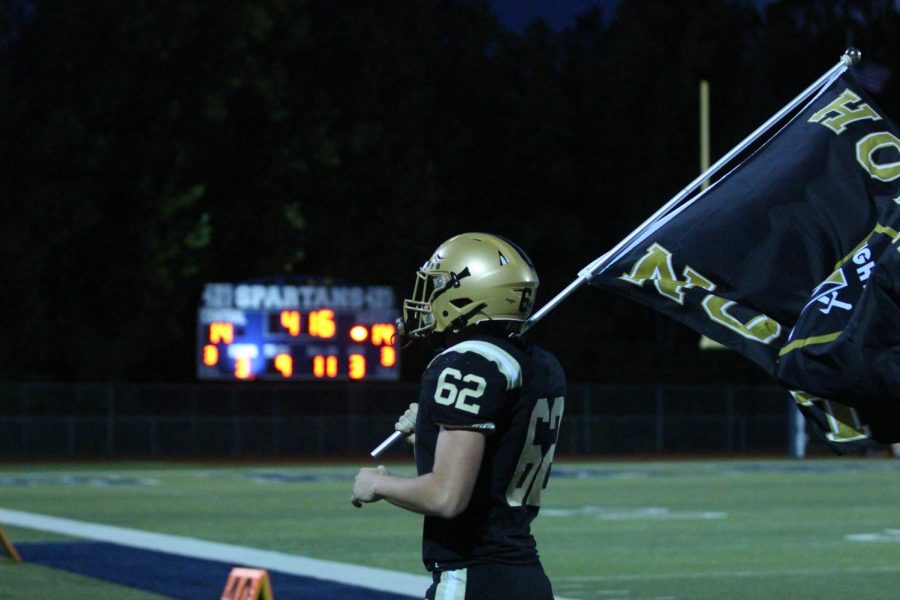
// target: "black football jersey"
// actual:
[[515, 394]]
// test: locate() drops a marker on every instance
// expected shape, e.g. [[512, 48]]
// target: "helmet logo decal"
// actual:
[[454, 278], [503, 259], [453, 283], [525, 302]]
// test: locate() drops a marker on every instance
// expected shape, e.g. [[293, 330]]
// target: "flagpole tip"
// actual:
[[852, 56]]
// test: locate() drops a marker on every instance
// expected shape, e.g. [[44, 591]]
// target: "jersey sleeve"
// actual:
[[467, 386]]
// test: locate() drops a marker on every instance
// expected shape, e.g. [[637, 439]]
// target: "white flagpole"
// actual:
[[385, 444], [850, 57]]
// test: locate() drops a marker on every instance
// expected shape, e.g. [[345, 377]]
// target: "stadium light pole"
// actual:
[[703, 92]]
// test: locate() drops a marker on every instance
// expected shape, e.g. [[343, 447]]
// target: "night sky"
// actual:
[[516, 15]]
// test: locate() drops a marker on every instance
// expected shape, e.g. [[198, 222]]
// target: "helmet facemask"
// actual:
[[417, 315]]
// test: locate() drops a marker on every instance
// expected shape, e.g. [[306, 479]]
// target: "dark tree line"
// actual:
[[150, 147]]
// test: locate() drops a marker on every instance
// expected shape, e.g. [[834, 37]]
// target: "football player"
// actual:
[[485, 425]]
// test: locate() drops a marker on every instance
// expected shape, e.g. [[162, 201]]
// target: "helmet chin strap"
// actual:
[[400, 334], [460, 322], [402, 326]]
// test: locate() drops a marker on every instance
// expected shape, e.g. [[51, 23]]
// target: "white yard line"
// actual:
[[369, 577]]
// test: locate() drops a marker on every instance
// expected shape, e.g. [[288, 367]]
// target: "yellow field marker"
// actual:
[[248, 584], [8, 546]]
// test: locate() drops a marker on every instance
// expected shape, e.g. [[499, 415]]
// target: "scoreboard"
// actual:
[[297, 330]]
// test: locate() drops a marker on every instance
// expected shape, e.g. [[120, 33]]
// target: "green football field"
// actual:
[[735, 529]]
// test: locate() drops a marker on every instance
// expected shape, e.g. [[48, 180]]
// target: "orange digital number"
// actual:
[[357, 366], [242, 368], [325, 366], [321, 323], [290, 320], [388, 356], [284, 364], [221, 332], [210, 355], [383, 334]]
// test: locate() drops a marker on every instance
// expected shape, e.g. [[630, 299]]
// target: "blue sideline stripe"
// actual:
[[177, 576]]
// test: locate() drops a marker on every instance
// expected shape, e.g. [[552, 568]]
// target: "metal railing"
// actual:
[[237, 420]]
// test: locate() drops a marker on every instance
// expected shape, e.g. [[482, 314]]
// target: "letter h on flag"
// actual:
[[792, 259]]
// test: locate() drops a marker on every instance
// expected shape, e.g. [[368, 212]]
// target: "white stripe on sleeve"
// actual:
[[508, 365]]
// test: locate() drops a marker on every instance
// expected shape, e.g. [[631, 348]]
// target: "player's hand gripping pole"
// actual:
[[405, 426]]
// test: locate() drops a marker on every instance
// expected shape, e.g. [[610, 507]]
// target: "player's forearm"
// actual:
[[424, 495]]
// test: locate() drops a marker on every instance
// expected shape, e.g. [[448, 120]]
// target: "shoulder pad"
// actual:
[[505, 362]]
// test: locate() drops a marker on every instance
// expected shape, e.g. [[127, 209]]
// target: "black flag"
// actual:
[[793, 260]]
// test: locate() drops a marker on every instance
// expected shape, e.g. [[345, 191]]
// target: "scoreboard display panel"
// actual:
[[297, 331]]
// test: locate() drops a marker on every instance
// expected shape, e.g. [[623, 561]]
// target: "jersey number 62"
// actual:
[[448, 391]]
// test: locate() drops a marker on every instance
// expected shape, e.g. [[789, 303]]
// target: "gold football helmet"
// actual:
[[470, 278]]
